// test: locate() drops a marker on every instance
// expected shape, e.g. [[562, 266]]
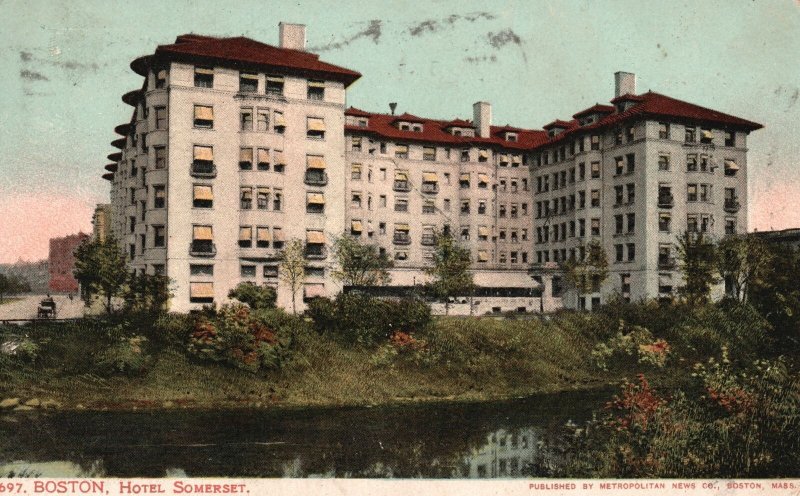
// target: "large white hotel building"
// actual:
[[236, 147]]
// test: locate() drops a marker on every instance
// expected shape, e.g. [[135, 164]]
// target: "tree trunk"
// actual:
[[294, 304], [447, 306], [108, 303]]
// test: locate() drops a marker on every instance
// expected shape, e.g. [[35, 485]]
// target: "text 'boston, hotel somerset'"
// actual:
[[236, 147]]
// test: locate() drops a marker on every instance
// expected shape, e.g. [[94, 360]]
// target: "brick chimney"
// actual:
[[482, 118], [624, 83], [292, 36]]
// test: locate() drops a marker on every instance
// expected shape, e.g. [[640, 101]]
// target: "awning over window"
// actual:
[[315, 237], [316, 84], [483, 231], [313, 290], [429, 177], [246, 155], [203, 233], [483, 256], [246, 193], [370, 229], [280, 159], [247, 75], [277, 233], [401, 227], [516, 159], [483, 178], [503, 157], [401, 148], [201, 289], [279, 120], [203, 153], [356, 226], [465, 177], [203, 192], [483, 153], [401, 176], [203, 70], [262, 234], [316, 199], [275, 79], [707, 134], [263, 155], [245, 233], [731, 165], [203, 113], [316, 124], [162, 74], [315, 162]]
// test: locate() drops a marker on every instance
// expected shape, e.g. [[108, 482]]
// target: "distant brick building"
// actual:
[[62, 262]]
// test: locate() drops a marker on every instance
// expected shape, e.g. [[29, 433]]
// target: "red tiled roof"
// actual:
[[652, 104], [594, 109], [406, 117], [244, 52], [434, 131], [115, 157], [356, 112], [118, 143], [628, 97], [108, 176], [558, 123]]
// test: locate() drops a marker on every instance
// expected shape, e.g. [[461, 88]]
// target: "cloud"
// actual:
[[32, 75], [70, 65], [373, 32], [25, 56], [434, 25], [503, 38]]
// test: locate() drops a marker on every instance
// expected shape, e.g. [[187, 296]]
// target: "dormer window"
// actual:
[[456, 132], [405, 127], [511, 137], [363, 123], [417, 128]]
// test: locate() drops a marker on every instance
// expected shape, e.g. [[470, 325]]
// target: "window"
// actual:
[[618, 136], [161, 117], [160, 153], [595, 142], [159, 196], [630, 133], [262, 159], [277, 201], [730, 138], [618, 221], [280, 161], [202, 240], [663, 162], [428, 206], [730, 225], [706, 135], [705, 192], [248, 82], [245, 158], [630, 160], [691, 192], [401, 205], [262, 198], [315, 202], [247, 271], [246, 119], [581, 199], [204, 77], [465, 155], [620, 166], [581, 171], [514, 211], [204, 116], [246, 198], [481, 206], [691, 223], [246, 237], [690, 135], [704, 163], [730, 167], [501, 212], [595, 170], [664, 222], [270, 271], [631, 223], [262, 120], [161, 79], [595, 198], [202, 196], [464, 206], [382, 201], [355, 143], [201, 270], [618, 195], [483, 181], [316, 90], [619, 251], [429, 153], [595, 227], [663, 130], [483, 155], [355, 172], [315, 128], [401, 181], [274, 86], [279, 123], [631, 187], [355, 200], [401, 151]]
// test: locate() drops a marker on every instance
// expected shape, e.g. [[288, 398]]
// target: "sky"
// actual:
[[65, 65]]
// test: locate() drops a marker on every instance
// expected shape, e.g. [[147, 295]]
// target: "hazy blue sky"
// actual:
[[65, 66]]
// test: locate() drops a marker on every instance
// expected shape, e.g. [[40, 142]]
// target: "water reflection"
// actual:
[[501, 439]]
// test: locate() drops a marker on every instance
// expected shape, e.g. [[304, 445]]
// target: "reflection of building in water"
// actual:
[[505, 454]]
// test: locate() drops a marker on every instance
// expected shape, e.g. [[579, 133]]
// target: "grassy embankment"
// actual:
[[464, 360]]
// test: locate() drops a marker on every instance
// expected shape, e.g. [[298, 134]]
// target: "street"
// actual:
[[26, 306]]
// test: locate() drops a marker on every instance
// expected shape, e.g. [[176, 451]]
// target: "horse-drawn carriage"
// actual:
[[47, 309]]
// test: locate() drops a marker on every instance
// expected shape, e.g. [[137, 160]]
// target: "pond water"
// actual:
[[517, 438]]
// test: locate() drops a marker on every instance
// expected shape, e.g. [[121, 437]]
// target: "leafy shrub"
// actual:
[[358, 319], [126, 357], [172, 328], [628, 344], [235, 337], [254, 296]]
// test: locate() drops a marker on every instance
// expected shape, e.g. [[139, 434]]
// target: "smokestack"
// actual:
[[292, 36], [393, 106], [624, 83], [482, 118]]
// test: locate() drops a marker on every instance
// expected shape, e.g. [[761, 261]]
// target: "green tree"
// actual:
[[292, 268], [777, 294], [450, 270], [743, 261], [147, 292], [254, 296], [698, 262], [11, 285], [100, 268], [587, 275], [359, 264]]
